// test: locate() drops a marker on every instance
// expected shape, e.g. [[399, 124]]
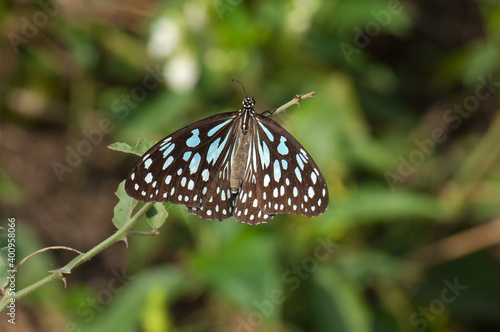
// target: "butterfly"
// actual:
[[240, 164]]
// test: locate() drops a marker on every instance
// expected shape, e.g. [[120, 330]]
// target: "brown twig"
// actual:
[[42, 250], [460, 244], [295, 101]]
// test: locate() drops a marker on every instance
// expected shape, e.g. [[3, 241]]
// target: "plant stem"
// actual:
[[475, 167], [120, 234], [295, 101]]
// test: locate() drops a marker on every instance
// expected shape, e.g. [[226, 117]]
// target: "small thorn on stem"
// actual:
[[63, 279], [125, 239]]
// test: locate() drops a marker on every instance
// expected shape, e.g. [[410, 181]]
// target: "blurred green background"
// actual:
[[405, 127]]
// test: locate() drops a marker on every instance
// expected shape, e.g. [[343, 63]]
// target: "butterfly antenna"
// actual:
[[235, 80]]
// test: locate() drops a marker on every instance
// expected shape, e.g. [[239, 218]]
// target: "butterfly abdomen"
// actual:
[[240, 159]]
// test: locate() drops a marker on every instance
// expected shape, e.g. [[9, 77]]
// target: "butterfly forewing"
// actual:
[[194, 167], [183, 168]]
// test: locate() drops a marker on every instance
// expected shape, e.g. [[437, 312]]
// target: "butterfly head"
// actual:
[[248, 102]]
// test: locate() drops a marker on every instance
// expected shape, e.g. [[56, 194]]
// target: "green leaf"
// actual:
[[374, 204], [157, 215], [245, 279], [336, 304], [130, 293], [4, 267], [143, 145], [155, 317], [11, 191], [123, 210]]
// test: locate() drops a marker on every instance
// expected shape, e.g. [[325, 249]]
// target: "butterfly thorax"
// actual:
[[243, 137]]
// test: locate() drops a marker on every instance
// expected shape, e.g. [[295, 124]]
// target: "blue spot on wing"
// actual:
[[195, 139], [169, 147], [264, 154], [168, 162], [195, 163], [219, 126], [186, 155], [215, 150], [282, 148], [268, 133]]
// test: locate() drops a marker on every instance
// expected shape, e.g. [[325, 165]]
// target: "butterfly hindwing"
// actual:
[[281, 177]]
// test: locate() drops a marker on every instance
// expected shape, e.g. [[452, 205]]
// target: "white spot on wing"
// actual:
[[299, 161], [277, 170], [298, 174], [314, 178], [267, 178], [205, 174]]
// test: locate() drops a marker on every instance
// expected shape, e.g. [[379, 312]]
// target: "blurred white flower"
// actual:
[[165, 37], [182, 73]]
